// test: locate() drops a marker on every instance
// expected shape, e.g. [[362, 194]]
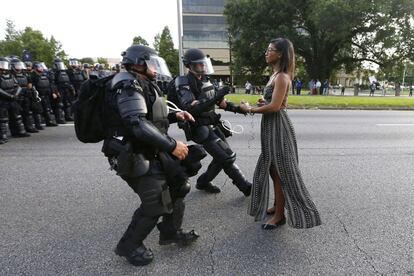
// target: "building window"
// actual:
[[204, 6]]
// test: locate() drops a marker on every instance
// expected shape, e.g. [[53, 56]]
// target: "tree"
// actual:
[[139, 40], [103, 61], [88, 60], [328, 35], [41, 48], [164, 45]]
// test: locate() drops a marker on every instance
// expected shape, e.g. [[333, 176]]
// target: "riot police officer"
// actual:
[[9, 108], [63, 92], [140, 150], [76, 75], [28, 97], [41, 82], [197, 95]]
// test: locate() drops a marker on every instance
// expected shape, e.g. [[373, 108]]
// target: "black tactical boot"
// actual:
[[3, 130], [180, 237], [131, 244], [204, 181], [29, 123], [140, 256], [50, 119], [208, 187], [68, 114], [38, 121], [17, 128], [60, 116]]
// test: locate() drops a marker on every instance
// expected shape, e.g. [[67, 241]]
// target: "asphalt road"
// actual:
[[62, 211]]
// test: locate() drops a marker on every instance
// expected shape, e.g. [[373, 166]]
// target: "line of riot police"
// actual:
[[32, 95]]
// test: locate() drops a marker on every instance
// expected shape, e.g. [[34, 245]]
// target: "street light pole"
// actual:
[[180, 36], [403, 80]]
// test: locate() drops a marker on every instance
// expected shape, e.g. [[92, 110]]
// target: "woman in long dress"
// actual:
[[279, 155]]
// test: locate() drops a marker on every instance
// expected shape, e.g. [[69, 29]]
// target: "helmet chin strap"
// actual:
[[196, 74]]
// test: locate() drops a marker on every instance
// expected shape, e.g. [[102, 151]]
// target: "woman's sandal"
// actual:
[[269, 226]]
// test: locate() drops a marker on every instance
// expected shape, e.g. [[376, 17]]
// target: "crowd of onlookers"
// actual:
[[316, 87]]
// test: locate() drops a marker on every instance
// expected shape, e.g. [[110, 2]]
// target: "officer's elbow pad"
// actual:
[[148, 133]]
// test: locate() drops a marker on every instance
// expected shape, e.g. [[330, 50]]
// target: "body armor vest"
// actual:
[[62, 78], [21, 80], [160, 113], [78, 76], [8, 83], [42, 84]]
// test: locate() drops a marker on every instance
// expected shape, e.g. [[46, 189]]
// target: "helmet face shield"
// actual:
[[40, 67], [4, 65], [43, 65], [158, 65], [60, 65], [18, 66], [74, 63], [202, 66]]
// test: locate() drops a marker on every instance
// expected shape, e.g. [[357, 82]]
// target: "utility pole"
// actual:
[[403, 80], [180, 36]]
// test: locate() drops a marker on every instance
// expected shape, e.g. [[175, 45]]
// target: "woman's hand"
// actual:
[[260, 102], [245, 107]]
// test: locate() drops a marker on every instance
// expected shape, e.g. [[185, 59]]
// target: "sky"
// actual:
[[93, 28]]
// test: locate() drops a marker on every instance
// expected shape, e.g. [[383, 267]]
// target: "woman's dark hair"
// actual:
[[287, 59]]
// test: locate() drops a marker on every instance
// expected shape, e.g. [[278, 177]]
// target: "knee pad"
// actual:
[[220, 151], [179, 189], [155, 195], [184, 189]]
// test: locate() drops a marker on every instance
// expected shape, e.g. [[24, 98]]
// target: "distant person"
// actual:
[[318, 88], [248, 87], [325, 87], [342, 89], [299, 85], [372, 88], [411, 90]]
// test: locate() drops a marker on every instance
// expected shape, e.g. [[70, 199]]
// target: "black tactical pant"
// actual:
[[223, 158], [10, 112], [157, 199], [67, 98]]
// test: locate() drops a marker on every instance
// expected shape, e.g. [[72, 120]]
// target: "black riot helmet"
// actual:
[[137, 54], [58, 64], [74, 63], [144, 55], [39, 67], [197, 62], [17, 65]]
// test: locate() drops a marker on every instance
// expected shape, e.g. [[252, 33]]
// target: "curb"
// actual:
[[352, 108]]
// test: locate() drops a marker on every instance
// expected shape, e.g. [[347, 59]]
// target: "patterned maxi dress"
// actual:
[[279, 149]]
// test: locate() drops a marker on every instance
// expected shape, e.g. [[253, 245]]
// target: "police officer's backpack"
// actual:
[[88, 110]]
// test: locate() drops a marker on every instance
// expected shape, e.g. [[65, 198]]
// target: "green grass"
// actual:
[[340, 102]]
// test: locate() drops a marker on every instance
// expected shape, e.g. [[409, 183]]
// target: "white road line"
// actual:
[[67, 124], [395, 124]]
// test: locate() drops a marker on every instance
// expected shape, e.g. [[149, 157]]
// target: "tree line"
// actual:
[[46, 49], [328, 36]]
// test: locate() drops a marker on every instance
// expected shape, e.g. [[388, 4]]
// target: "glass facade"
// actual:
[[204, 31], [205, 27], [203, 6]]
